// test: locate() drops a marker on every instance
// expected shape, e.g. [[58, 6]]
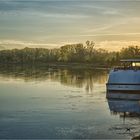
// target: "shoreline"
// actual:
[[58, 65]]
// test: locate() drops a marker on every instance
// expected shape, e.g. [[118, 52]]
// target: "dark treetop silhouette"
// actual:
[[74, 53]]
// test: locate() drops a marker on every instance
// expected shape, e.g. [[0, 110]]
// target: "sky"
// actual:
[[111, 24]]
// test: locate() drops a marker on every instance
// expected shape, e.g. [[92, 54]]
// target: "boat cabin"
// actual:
[[129, 64]]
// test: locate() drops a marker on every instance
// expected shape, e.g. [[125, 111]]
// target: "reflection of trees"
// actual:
[[80, 78], [66, 76]]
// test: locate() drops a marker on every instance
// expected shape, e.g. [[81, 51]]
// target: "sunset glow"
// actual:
[[50, 24]]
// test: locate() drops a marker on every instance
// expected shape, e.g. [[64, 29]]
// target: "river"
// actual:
[[40, 103]]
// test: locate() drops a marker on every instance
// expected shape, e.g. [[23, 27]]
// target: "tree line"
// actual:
[[73, 53]]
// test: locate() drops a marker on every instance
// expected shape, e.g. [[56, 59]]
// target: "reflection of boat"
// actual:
[[126, 108], [125, 79]]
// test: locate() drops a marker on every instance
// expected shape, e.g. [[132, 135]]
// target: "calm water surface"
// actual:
[[62, 103]]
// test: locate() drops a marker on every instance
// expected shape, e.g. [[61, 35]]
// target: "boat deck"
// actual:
[[127, 68]]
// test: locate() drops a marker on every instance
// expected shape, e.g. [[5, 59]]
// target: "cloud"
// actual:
[[108, 45], [116, 25], [60, 15], [116, 45], [10, 44], [67, 20], [111, 34], [102, 28], [2, 47], [112, 12]]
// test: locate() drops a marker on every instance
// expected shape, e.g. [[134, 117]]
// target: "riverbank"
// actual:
[[58, 65]]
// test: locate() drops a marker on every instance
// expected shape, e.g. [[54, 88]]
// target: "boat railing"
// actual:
[[126, 68], [128, 64]]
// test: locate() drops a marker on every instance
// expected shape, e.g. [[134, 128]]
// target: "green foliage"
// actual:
[[74, 53], [130, 52]]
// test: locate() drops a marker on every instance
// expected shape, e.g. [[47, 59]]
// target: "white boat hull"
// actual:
[[124, 84]]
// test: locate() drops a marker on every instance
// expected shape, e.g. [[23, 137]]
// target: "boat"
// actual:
[[124, 81]]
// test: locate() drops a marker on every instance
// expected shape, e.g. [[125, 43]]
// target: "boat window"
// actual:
[[136, 64]]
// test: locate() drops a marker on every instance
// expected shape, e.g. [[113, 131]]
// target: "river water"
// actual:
[[40, 102]]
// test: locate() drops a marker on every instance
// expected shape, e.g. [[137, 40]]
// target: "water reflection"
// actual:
[[56, 106], [125, 108], [128, 111], [66, 76]]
